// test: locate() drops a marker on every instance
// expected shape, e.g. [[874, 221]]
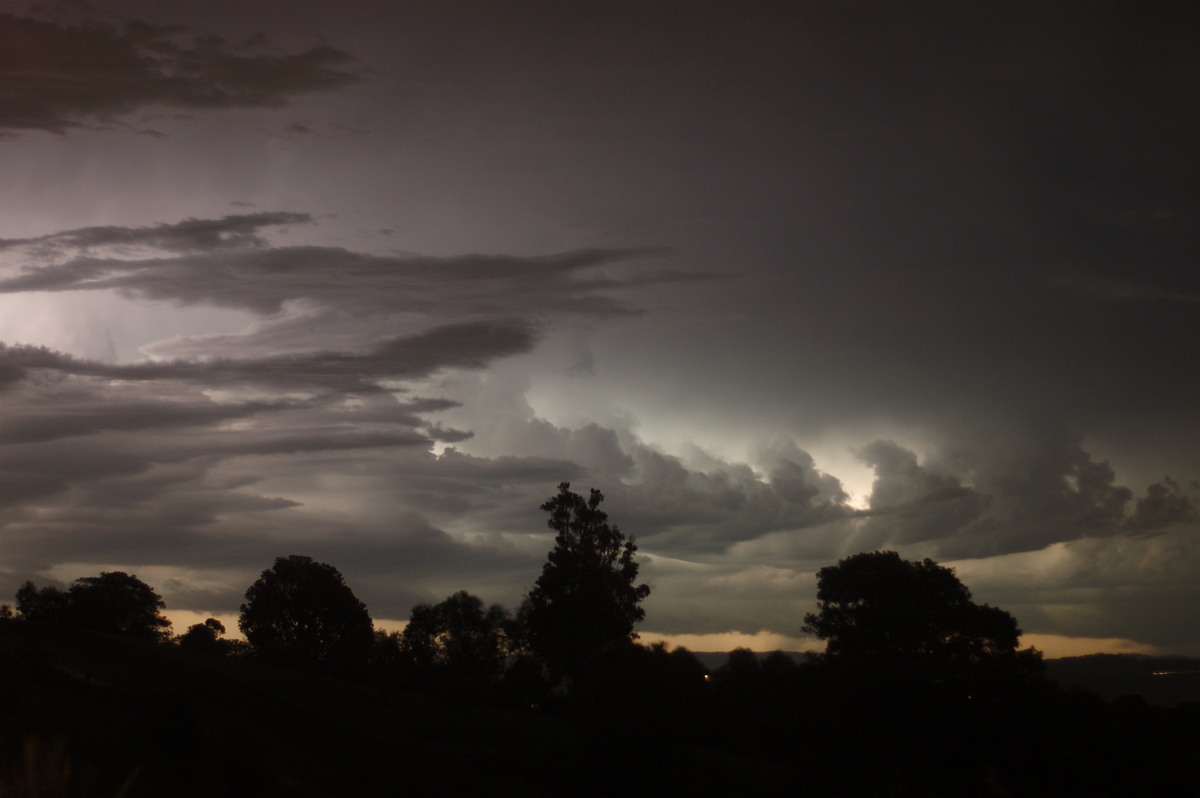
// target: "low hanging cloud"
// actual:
[[59, 78]]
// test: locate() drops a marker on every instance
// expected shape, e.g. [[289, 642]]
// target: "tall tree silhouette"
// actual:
[[301, 614], [587, 598]]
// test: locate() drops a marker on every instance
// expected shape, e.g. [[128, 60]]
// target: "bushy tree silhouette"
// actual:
[[587, 598], [204, 638], [301, 614], [42, 605], [112, 603], [881, 614], [457, 638]]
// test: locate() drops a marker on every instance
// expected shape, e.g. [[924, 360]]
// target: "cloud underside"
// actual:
[[318, 429], [57, 78]]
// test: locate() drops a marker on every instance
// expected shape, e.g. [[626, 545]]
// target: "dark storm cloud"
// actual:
[[1128, 290], [443, 434], [1164, 505], [69, 419], [190, 235], [89, 445], [941, 218], [1109, 132], [21, 487], [470, 345], [223, 454], [899, 480], [910, 503], [697, 513], [73, 420], [682, 509], [198, 496], [1020, 498], [957, 167], [351, 298], [226, 265], [457, 465], [199, 513], [971, 502], [58, 78]]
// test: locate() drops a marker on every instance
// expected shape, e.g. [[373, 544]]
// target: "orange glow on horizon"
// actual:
[[1051, 646], [1058, 646]]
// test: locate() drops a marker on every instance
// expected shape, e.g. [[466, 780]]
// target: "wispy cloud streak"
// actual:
[[58, 78]]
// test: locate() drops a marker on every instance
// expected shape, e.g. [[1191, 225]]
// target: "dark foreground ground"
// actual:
[[88, 716], [82, 715]]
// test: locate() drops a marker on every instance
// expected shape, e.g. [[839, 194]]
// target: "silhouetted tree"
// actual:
[[587, 598], [301, 614], [44, 605], [418, 642], [881, 614], [112, 603], [204, 638], [386, 659], [741, 665], [458, 638]]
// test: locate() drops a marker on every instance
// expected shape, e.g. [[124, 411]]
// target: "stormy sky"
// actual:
[[786, 281]]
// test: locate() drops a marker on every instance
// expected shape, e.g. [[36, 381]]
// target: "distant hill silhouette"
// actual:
[[1162, 681]]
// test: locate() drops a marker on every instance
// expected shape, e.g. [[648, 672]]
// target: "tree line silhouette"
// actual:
[[920, 690]]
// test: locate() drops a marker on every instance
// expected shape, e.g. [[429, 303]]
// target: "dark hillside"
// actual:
[[87, 715], [117, 710], [1162, 681]]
